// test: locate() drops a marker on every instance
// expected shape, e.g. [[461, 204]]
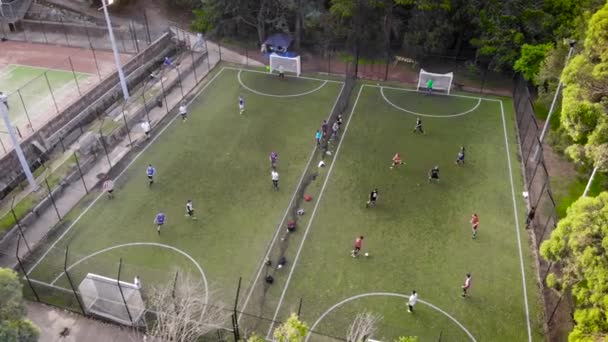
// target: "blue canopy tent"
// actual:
[[278, 43]]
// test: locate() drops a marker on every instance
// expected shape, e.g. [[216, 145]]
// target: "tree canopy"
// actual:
[[489, 32], [579, 243], [13, 326]]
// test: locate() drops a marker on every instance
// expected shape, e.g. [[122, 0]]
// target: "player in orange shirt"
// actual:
[[474, 224], [396, 160]]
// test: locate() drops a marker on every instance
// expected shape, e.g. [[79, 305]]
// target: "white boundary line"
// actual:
[[521, 257], [51, 69], [198, 266], [273, 95], [6, 71], [372, 294], [267, 73], [312, 216], [86, 210], [428, 115], [280, 226], [434, 94]]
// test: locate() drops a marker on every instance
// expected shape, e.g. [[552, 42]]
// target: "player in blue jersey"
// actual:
[[460, 157], [241, 105], [159, 220], [150, 171], [274, 158]]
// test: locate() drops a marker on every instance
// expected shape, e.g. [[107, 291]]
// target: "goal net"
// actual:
[[102, 296], [441, 82], [290, 64]]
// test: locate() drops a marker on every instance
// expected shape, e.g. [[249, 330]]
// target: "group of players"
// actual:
[[433, 176]]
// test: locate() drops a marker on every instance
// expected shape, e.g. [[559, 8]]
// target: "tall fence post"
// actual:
[[74, 74], [236, 303], [84, 184], [25, 110], [162, 86], [122, 295], [124, 117], [27, 278], [51, 91], [67, 274], [17, 221], [179, 81], [48, 187]]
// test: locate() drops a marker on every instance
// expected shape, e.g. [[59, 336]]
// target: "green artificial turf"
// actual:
[[34, 89], [418, 236], [219, 159]]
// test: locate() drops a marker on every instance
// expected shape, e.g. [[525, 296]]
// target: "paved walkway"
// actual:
[[52, 322]]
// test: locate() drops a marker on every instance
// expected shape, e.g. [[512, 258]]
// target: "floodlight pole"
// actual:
[[557, 91], [121, 75], [590, 181], [11, 133]]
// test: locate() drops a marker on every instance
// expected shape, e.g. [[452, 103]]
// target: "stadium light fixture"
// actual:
[[121, 74], [11, 133]]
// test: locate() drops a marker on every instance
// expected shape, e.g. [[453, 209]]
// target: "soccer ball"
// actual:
[[366, 254]]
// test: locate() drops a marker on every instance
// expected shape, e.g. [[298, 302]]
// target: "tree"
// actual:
[[363, 327], [579, 243], [13, 326], [584, 108], [181, 311], [407, 339], [255, 338], [293, 330], [530, 60]]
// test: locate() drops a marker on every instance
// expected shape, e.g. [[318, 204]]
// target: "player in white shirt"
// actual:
[[190, 210], [241, 105], [275, 179], [466, 286], [183, 111], [108, 187], [412, 301], [145, 126], [137, 282], [281, 71]]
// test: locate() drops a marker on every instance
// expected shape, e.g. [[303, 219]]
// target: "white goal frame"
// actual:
[[441, 82], [287, 62]]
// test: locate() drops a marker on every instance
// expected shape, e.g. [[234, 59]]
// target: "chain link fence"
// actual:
[[542, 216]]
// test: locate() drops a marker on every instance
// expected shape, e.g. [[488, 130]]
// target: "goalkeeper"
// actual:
[[429, 86]]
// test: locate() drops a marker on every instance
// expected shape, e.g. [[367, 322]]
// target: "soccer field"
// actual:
[[35, 93], [218, 159], [418, 236]]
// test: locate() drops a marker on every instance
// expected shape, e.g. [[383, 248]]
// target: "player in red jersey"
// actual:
[[466, 286], [396, 160], [474, 225], [357, 247]]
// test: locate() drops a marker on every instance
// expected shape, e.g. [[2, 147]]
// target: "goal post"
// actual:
[[290, 64], [116, 301], [441, 82]]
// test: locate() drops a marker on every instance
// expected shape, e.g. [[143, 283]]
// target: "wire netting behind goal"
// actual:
[[102, 296], [442, 82]]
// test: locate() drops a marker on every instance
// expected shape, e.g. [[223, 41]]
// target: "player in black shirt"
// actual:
[[373, 196], [418, 127], [434, 174]]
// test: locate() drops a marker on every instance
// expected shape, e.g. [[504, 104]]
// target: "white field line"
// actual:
[[314, 211], [521, 256], [302, 77], [389, 294], [7, 71], [274, 95], [280, 226], [52, 69], [155, 244], [428, 115], [434, 94], [86, 210]]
